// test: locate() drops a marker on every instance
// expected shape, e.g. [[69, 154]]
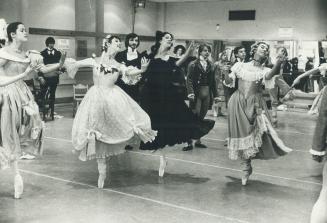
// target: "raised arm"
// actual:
[[144, 66], [186, 54], [275, 70]]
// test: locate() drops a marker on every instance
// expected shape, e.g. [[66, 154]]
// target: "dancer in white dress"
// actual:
[[108, 119], [21, 127]]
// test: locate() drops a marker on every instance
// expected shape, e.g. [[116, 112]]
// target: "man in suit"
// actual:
[[49, 80], [201, 86], [130, 57]]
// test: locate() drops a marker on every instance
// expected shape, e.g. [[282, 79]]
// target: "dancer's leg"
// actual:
[[18, 181], [52, 88], [319, 213], [102, 168], [163, 163], [205, 102], [247, 170]]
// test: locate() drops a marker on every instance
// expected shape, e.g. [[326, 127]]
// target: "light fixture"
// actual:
[[217, 26], [136, 4], [139, 3]]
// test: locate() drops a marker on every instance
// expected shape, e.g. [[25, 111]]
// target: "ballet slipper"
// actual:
[[163, 164], [102, 168], [246, 177], [18, 186], [101, 180]]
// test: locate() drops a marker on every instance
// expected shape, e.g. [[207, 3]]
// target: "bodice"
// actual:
[[14, 65], [250, 77], [13, 68], [102, 78], [249, 88]]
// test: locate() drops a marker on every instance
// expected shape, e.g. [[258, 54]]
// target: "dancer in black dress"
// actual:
[[161, 99]]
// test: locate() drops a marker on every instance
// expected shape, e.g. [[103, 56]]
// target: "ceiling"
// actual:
[[188, 0]]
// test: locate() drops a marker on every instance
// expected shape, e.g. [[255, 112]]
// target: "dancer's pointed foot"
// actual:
[[101, 180], [246, 177], [18, 186], [200, 145], [188, 147], [163, 164]]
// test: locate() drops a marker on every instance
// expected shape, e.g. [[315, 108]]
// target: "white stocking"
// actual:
[[102, 168]]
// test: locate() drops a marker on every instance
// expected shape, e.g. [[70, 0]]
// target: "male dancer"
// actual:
[[49, 80], [201, 86], [130, 57]]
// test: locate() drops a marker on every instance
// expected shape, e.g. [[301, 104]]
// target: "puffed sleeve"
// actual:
[[72, 65], [269, 83], [235, 71]]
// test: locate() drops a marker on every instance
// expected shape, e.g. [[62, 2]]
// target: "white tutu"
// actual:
[[108, 119]]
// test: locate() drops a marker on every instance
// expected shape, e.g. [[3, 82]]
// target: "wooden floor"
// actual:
[[202, 185]]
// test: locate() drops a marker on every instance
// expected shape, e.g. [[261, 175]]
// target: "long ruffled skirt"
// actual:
[[251, 134], [20, 123], [106, 121]]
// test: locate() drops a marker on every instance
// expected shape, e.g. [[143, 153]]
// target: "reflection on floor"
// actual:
[[199, 186]]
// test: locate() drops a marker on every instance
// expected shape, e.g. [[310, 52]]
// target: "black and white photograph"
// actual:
[[165, 111]]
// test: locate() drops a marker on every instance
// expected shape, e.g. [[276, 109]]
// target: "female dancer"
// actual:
[[169, 114], [20, 123], [251, 134], [317, 101], [108, 119], [318, 150]]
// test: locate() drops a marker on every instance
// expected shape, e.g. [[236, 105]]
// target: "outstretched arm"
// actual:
[[275, 70], [53, 67], [306, 74], [186, 54]]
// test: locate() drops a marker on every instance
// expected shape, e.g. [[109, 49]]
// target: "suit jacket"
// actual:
[[121, 57], [194, 72], [51, 58]]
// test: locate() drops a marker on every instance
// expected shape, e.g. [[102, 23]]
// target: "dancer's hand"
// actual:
[[41, 80], [190, 47], [144, 64], [226, 67], [217, 99], [282, 55], [191, 97], [62, 58]]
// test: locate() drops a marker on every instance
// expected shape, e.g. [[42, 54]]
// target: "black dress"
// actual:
[[170, 116]]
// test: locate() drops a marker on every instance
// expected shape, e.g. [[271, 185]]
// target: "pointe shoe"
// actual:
[[187, 148], [200, 145], [246, 177], [19, 186], [163, 164], [101, 180]]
